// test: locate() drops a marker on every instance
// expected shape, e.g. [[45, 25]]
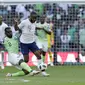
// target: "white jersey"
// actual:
[[2, 33], [28, 31]]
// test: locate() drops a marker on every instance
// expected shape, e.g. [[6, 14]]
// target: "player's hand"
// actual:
[[16, 24]]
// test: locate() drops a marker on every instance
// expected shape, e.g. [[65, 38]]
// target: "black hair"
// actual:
[[7, 28], [33, 13]]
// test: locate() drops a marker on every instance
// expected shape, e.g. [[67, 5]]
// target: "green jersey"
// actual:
[[11, 44], [41, 34]]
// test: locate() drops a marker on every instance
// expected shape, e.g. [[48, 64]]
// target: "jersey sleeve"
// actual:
[[4, 26]]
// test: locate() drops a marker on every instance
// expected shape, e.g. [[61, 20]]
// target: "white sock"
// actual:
[[40, 61]]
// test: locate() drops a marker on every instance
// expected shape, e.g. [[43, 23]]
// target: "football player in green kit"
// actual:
[[14, 57]]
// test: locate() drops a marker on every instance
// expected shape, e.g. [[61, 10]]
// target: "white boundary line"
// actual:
[[11, 80]]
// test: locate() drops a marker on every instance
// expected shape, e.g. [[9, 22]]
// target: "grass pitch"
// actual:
[[59, 75]]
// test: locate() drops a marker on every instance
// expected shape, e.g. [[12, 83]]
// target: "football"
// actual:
[[42, 66]]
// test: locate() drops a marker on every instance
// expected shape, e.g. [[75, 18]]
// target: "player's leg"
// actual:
[[34, 48], [50, 43], [44, 48], [50, 56], [39, 43], [26, 68], [40, 61], [19, 61], [20, 73], [25, 51], [43, 55]]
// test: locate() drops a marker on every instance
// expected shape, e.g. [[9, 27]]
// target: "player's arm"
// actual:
[[38, 27], [47, 30], [42, 28], [16, 26]]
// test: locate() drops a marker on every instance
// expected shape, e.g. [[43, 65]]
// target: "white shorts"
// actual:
[[15, 58], [42, 44]]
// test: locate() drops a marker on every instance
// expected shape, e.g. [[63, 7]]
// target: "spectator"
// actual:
[[82, 32], [20, 9], [65, 39]]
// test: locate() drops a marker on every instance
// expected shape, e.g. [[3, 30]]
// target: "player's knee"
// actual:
[[21, 61]]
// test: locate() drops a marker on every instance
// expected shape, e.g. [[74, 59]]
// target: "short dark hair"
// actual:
[[7, 28], [33, 13]]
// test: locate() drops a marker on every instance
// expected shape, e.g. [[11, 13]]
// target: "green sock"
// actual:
[[25, 66], [20, 73], [43, 58]]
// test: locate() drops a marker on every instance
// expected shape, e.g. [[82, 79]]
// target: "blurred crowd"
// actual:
[[70, 21]]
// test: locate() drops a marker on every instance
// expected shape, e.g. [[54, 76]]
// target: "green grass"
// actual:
[[59, 75]]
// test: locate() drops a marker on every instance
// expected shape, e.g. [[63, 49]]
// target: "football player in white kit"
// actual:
[[2, 35], [27, 38]]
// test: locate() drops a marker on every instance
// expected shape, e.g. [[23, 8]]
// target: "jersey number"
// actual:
[[9, 44]]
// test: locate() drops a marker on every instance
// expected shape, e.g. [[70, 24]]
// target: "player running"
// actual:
[[27, 39]]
